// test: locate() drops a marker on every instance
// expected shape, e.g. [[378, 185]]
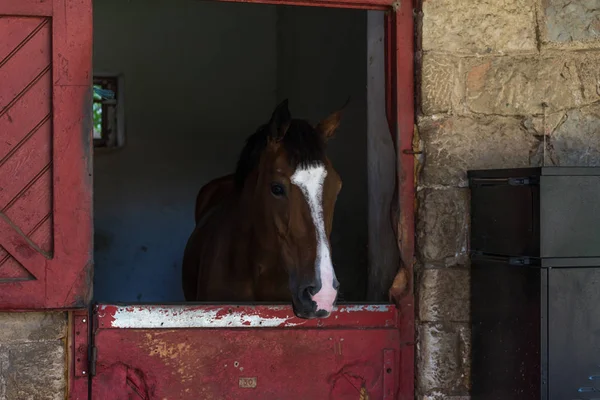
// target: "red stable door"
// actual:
[[246, 352], [172, 352], [45, 154]]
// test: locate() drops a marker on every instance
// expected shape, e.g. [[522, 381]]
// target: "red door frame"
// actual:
[[399, 39]]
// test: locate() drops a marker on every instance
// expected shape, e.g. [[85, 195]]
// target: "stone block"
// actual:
[[32, 326], [576, 141], [34, 370], [444, 295], [521, 85], [442, 225], [439, 78], [3, 368], [569, 21], [479, 26], [543, 125], [443, 359], [452, 145]]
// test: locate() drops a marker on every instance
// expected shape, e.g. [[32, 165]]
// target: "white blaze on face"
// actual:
[[310, 180]]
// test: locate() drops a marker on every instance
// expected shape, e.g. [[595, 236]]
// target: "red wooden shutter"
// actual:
[[45, 153]]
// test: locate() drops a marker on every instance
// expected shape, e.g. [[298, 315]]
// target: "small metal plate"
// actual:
[[248, 383]]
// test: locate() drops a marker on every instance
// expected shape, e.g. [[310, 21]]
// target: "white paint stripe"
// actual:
[[365, 307], [182, 316], [173, 317], [310, 180]]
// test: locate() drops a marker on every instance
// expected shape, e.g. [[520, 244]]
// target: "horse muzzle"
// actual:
[[311, 301], [311, 314]]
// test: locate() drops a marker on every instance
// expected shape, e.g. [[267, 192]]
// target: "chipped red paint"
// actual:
[[45, 202], [356, 348], [236, 316]]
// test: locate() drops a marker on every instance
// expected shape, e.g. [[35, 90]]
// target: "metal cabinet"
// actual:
[[535, 283]]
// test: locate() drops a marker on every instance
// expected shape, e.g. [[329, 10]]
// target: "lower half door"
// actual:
[[244, 352]]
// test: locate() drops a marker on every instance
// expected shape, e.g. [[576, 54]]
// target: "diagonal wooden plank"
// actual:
[[21, 70], [33, 205], [14, 241], [40, 234], [11, 270], [25, 114], [15, 32], [26, 164], [43, 234]]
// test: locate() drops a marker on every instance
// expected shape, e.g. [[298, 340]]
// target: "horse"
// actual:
[[262, 233]]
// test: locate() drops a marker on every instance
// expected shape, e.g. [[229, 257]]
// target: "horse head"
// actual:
[[290, 188]]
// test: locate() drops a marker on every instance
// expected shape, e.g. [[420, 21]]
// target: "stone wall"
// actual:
[[33, 356], [502, 83]]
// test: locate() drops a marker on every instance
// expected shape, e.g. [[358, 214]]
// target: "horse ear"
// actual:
[[280, 121], [329, 125]]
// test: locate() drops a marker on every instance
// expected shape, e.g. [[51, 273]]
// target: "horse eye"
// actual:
[[277, 190]]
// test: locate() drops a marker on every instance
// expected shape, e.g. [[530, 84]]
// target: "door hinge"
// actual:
[[93, 357], [81, 338], [93, 348], [79, 321]]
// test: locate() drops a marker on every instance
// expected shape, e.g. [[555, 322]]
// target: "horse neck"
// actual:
[[249, 226]]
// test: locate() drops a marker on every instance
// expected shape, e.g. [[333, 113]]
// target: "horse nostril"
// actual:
[[336, 284], [309, 292], [306, 294]]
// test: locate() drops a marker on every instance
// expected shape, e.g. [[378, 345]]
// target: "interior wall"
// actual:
[[199, 78], [322, 61]]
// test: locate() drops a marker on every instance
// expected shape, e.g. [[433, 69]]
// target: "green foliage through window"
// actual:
[[97, 113], [104, 111]]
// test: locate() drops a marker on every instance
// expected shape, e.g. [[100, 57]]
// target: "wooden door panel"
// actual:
[[45, 150], [260, 352]]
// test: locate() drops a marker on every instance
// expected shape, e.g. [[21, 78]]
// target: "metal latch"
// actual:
[[519, 181], [519, 261]]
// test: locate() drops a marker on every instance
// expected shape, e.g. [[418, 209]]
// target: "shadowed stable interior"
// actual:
[[199, 77]]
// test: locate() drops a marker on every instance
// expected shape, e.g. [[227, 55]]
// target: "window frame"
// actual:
[[114, 139]]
